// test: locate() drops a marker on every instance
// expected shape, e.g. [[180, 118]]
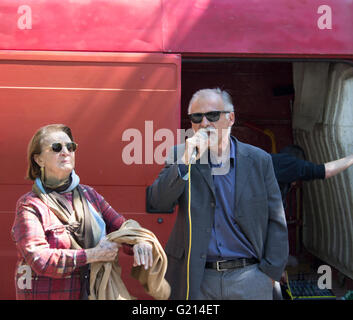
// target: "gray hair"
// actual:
[[205, 93]]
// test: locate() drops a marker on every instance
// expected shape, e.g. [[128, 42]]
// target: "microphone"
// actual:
[[194, 155], [203, 132]]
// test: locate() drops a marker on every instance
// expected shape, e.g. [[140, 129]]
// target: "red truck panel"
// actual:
[[99, 96], [202, 26]]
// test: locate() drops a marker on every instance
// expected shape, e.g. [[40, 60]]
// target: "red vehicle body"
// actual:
[[104, 67]]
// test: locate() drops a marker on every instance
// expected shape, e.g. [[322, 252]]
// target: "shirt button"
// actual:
[[203, 256], [213, 204]]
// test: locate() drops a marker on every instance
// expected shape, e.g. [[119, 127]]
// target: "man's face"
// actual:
[[213, 102]]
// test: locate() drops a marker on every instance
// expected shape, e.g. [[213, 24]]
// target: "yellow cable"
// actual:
[[189, 253], [269, 133], [289, 291]]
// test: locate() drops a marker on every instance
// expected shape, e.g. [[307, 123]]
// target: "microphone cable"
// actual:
[[190, 236]]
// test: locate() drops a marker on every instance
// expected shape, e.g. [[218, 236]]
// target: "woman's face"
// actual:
[[57, 165]]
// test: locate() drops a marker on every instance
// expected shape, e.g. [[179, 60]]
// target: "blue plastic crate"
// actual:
[[307, 290]]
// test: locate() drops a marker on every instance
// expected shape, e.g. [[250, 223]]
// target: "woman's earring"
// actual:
[[42, 176]]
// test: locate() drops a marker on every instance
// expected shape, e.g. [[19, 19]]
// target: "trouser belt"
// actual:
[[223, 265]]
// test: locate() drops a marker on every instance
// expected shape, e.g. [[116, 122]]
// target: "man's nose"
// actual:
[[204, 123]]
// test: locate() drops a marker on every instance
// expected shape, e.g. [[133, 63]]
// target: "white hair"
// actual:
[[205, 93]]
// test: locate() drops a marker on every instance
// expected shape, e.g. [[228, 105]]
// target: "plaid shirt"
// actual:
[[47, 268]]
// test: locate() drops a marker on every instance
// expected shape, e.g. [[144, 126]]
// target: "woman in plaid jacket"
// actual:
[[60, 226]]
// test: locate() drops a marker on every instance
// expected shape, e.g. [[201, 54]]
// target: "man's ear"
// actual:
[[231, 118], [38, 159]]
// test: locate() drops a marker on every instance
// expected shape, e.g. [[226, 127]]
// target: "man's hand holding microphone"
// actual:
[[196, 146]]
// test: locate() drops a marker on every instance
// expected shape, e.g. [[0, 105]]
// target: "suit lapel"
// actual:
[[243, 165]]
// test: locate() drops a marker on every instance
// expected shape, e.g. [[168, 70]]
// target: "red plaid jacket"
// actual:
[[47, 268]]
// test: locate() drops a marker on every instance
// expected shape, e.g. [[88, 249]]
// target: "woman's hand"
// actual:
[[143, 254], [105, 251]]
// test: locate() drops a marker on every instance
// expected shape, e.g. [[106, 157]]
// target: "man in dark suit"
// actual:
[[290, 167], [233, 242]]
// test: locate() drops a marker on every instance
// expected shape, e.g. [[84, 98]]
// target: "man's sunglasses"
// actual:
[[211, 116], [70, 146]]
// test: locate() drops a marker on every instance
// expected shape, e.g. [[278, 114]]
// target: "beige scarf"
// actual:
[[105, 281], [83, 229]]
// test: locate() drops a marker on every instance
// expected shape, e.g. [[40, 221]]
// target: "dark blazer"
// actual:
[[258, 212]]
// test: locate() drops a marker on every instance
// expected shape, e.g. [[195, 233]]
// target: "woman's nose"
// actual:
[[65, 150]]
